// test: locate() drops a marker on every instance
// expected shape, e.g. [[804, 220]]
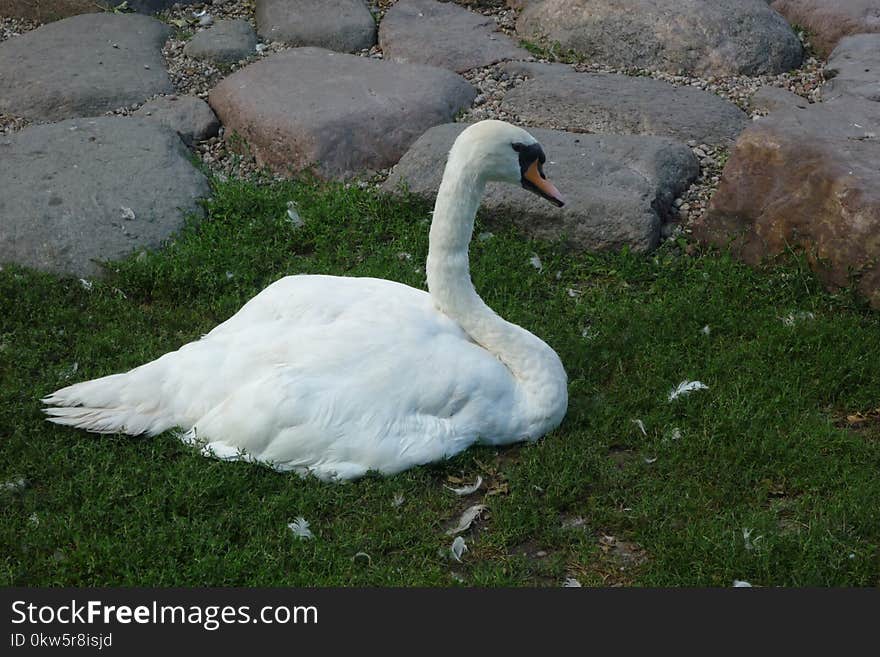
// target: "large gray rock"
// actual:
[[828, 21], [336, 114], [92, 189], [806, 179], [705, 37], [854, 68], [71, 67], [618, 189], [769, 99], [226, 42], [556, 96], [53, 10], [191, 117], [342, 25], [443, 34]]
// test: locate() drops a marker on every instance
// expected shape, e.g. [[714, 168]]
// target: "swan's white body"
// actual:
[[338, 376]]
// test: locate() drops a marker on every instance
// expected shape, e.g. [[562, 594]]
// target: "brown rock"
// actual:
[[831, 20], [334, 113], [46, 10], [807, 179]]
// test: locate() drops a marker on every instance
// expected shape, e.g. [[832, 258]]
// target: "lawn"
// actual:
[[760, 477]]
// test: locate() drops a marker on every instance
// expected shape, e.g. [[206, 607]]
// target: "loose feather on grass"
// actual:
[[467, 490], [459, 547], [300, 528], [467, 519], [686, 388]]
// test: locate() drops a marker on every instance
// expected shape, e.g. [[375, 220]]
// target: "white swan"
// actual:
[[338, 376]]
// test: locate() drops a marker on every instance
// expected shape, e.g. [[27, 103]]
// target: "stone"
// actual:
[[806, 179], [445, 35], [769, 99], [191, 117], [619, 189], [828, 21], [337, 114], [70, 68], [854, 68], [702, 37], [228, 41], [46, 10], [556, 96], [90, 189], [53, 10], [341, 25]]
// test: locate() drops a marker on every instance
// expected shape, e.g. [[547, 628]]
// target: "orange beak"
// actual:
[[540, 185]]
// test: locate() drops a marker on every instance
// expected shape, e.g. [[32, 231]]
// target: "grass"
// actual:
[[763, 449]]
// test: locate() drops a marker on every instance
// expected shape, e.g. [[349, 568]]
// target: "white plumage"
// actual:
[[338, 376]]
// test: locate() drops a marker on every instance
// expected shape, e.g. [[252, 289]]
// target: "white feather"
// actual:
[[685, 388], [458, 548], [300, 528], [467, 490], [467, 519]]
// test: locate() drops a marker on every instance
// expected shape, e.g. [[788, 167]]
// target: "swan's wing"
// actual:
[[377, 401], [313, 300]]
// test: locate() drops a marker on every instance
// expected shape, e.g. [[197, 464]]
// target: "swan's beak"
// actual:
[[533, 180]]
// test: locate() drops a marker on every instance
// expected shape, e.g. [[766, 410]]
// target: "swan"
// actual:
[[337, 376]]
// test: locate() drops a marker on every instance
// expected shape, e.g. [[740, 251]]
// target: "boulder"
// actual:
[[191, 117], [556, 96], [53, 10], [703, 37], [83, 66], [225, 42], [769, 99], [807, 179], [828, 21], [443, 34], [342, 25], [854, 68], [618, 189], [337, 114], [84, 190]]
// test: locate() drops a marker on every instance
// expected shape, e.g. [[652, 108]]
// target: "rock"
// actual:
[[342, 25], [854, 68], [46, 10], [769, 99], [703, 37], [338, 114], [92, 189], [806, 179], [70, 68], [53, 10], [150, 6], [445, 35], [557, 96], [191, 117], [618, 189], [828, 21], [225, 43]]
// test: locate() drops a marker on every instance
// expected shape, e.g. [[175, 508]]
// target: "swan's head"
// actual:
[[507, 153]]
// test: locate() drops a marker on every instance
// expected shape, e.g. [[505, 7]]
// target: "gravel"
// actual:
[[197, 78]]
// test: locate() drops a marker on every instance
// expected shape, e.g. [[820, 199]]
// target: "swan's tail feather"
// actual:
[[99, 406]]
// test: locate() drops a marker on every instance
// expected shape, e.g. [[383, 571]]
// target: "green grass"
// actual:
[[762, 449]]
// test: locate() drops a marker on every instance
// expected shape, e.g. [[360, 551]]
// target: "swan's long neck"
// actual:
[[534, 365]]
